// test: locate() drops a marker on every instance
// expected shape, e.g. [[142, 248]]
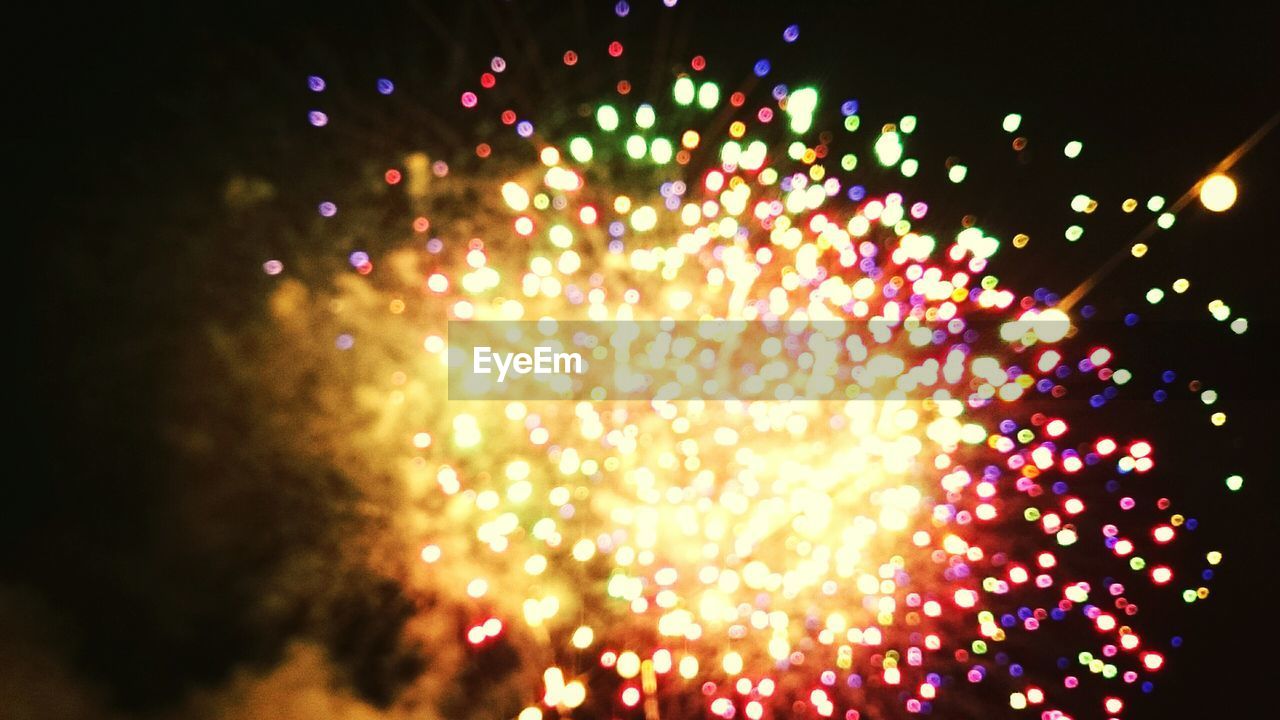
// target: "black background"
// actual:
[[132, 119]]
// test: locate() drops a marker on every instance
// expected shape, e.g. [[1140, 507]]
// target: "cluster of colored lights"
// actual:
[[856, 558]]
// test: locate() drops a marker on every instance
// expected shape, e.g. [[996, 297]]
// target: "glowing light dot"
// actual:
[[1218, 192]]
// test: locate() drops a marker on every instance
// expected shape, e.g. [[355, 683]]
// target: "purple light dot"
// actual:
[[315, 83], [272, 267], [328, 209], [385, 86], [622, 8], [791, 34], [358, 258], [344, 342], [498, 64], [524, 128], [317, 118]]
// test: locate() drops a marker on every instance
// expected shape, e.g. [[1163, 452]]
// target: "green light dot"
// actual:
[[1012, 122], [907, 124], [580, 149], [1165, 221], [607, 118], [1239, 326], [888, 148], [849, 161], [1155, 295], [1031, 514], [910, 167], [684, 91], [645, 116], [709, 95], [1074, 233], [636, 147], [660, 150], [1073, 148], [1234, 483], [1121, 376], [957, 173], [1155, 203], [852, 122]]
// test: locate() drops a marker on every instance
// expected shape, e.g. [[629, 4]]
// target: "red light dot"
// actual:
[[615, 48], [570, 58], [699, 63], [392, 176], [483, 150], [630, 697]]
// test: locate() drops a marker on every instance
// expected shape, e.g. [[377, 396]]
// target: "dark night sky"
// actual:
[[138, 118]]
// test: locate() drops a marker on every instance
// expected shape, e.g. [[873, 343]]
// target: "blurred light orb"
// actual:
[[1218, 192], [1051, 325]]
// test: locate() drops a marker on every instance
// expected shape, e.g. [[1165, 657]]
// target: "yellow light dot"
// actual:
[[583, 637], [1218, 192], [1051, 325]]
